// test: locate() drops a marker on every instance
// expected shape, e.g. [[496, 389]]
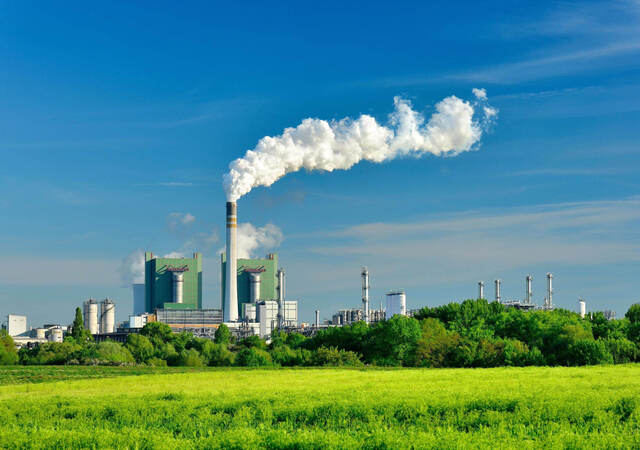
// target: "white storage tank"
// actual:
[[107, 317], [582, 308], [396, 303], [55, 335], [91, 316], [41, 333]]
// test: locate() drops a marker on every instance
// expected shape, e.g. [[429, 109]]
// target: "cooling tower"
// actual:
[[230, 307]]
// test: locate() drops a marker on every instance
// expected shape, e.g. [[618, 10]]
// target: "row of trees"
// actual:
[[473, 333]]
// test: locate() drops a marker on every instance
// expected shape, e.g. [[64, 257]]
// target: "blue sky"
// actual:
[[116, 119]]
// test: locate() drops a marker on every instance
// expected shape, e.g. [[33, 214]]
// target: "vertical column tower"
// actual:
[[230, 307], [365, 294]]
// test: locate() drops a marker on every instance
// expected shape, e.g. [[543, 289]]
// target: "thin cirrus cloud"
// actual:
[[455, 246]]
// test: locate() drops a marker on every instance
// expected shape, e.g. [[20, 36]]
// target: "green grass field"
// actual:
[[321, 408]]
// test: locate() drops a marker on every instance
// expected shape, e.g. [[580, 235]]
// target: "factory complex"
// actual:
[[252, 296]]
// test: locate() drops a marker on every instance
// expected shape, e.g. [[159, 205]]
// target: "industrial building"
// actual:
[[138, 299], [201, 322], [527, 304], [256, 279], [252, 291], [16, 324], [16, 327], [172, 283]]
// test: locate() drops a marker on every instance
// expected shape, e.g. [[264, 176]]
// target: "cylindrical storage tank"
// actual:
[[396, 304], [91, 316], [55, 335], [107, 316], [582, 308], [178, 286], [41, 333], [254, 287]]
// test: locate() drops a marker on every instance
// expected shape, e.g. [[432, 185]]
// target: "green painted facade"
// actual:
[[159, 282], [268, 278]]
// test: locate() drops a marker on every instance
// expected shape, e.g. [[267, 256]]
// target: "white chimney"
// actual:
[[230, 306], [498, 296], [480, 289]]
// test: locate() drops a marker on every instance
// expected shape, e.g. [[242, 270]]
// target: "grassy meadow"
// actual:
[[72, 407]]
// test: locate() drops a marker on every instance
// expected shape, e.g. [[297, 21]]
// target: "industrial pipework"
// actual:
[[230, 306], [365, 294], [529, 293], [549, 300], [281, 292]]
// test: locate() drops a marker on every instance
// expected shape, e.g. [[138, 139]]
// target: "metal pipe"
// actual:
[[230, 307], [365, 294], [549, 290], [281, 293]]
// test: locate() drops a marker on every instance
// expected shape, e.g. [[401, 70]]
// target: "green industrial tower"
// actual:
[[268, 269], [173, 283]]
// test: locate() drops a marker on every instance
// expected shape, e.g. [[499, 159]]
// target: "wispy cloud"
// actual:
[[469, 245]]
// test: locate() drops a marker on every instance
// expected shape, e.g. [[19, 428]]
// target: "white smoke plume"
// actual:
[[131, 269], [251, 239], [320, 145]]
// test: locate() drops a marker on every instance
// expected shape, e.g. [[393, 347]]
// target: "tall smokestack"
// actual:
[[480, 289], [230, 307], [498, 295]]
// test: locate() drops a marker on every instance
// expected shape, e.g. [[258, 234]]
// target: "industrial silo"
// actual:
[[55, 335], [107, 316], [91, 316]]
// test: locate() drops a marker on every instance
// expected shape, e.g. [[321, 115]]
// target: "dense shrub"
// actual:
[[622, 350], [331, 356], [586, 352], [114, 353], [140, 347], [217, 354], [8, 353], [253, 357], [190, 358]]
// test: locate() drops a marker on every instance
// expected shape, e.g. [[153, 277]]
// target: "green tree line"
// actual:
[[473, 333]]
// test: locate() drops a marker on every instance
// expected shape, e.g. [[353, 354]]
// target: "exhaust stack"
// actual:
[[230, 307]]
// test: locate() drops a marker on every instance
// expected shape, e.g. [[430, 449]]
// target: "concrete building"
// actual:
[[138, 299], [198, 321], [16, 324], [172, 283]]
